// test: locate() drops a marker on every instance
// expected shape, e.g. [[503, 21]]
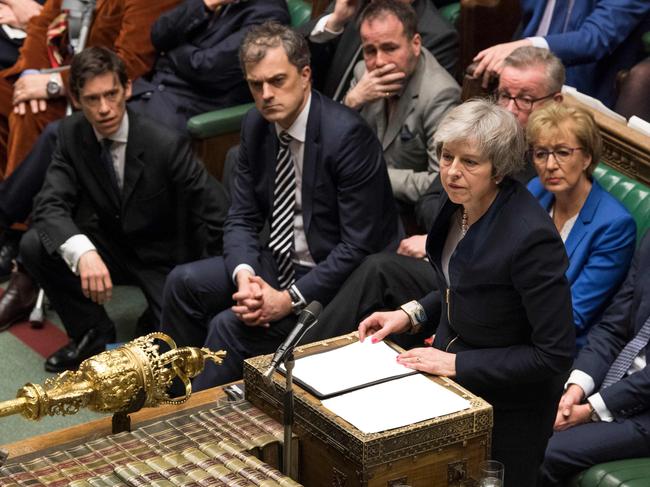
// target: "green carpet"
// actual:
[[20, 364]]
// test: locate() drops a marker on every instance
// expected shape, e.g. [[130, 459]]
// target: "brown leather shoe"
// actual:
[[18, 299]]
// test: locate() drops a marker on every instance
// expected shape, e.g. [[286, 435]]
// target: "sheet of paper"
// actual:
[[639, 124], [395, 403], [348, 367], [593, 103]]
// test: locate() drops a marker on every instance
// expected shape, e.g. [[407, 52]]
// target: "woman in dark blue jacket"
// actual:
[[506, 330]]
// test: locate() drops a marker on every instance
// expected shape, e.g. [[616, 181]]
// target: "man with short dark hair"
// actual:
[[336, 45], [402, 92], [123, 201], [313, 171]]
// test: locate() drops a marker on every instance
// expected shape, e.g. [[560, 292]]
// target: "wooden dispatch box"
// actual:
[[443, 451]]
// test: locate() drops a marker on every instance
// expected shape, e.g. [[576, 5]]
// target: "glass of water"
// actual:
[[491, 474]]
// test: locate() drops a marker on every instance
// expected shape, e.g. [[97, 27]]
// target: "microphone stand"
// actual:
[[287, 415]]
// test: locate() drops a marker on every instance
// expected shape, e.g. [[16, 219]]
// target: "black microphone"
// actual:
[[308, 318]]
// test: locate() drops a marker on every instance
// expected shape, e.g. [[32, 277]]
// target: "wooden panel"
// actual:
[[484, 23], [625, 149], [212, 152]]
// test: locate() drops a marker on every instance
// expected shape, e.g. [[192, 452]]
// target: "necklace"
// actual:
[[464, 223]]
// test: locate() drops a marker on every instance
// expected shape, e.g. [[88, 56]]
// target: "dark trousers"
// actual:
[[519, 437], [383, 281], [196, 312], [78, 313], [578, 448], [18, 190]]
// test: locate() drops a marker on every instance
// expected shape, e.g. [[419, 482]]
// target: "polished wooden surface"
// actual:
[[102, 427]]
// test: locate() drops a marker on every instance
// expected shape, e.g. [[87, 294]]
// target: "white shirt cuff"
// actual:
[[321, 34], [598, 404], [579, 378], [241, 267], [73, 248], [539, 42]]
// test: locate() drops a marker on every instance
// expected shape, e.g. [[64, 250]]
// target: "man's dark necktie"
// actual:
[[559, 19], [107, 161], [624, 360], [282, 219]]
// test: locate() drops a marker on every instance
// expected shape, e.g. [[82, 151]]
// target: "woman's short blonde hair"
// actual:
[[578, 121], [495, 132]]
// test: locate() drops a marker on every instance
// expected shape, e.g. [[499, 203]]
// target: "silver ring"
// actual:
[[417, 359]]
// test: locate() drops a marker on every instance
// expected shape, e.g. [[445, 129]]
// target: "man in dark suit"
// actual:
[[197, 70], [311, 169], [336, 46], [123, 201], [604, 414]]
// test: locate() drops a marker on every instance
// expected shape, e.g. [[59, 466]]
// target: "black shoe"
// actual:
[[8, 252], [18, 299], [70, 356]]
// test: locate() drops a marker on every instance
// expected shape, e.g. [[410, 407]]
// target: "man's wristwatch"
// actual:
[[416, 314], [53, 86], [297, 301], [593, 415]]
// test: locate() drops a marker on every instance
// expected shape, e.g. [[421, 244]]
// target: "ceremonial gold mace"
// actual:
[[120, 381]]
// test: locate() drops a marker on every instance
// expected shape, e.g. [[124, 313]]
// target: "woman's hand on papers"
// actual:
[[429, 360], [382, 324]]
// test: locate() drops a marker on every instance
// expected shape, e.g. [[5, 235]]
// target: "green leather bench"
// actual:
[[634, 472], [634, 195]]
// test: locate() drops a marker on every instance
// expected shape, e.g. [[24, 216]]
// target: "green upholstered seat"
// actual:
[[300, 12], [451, 12], [634, 472], [634, 195], [223, 121], [228, 120]]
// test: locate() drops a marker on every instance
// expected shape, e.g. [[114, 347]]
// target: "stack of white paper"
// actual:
[[395, 403], [399, 396]]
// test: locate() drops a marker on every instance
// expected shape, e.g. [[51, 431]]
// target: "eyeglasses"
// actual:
[[521, 102], [561, 154]]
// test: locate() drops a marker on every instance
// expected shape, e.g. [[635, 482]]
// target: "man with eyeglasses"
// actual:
[[531, 78]]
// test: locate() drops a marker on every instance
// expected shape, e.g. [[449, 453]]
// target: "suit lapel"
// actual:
[[92, 164], [267, 183], [405, 105], [585, 217], [310, 159], [133, 160]]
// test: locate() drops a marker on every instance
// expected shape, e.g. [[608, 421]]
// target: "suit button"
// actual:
[[161, 87]]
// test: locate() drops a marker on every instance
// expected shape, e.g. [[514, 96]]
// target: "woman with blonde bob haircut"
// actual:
[[598, 232], [505, 331]]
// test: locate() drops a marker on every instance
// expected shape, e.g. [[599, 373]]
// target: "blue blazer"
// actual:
[[598, 39], [629, 398], [347, 202], [600, 247]]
